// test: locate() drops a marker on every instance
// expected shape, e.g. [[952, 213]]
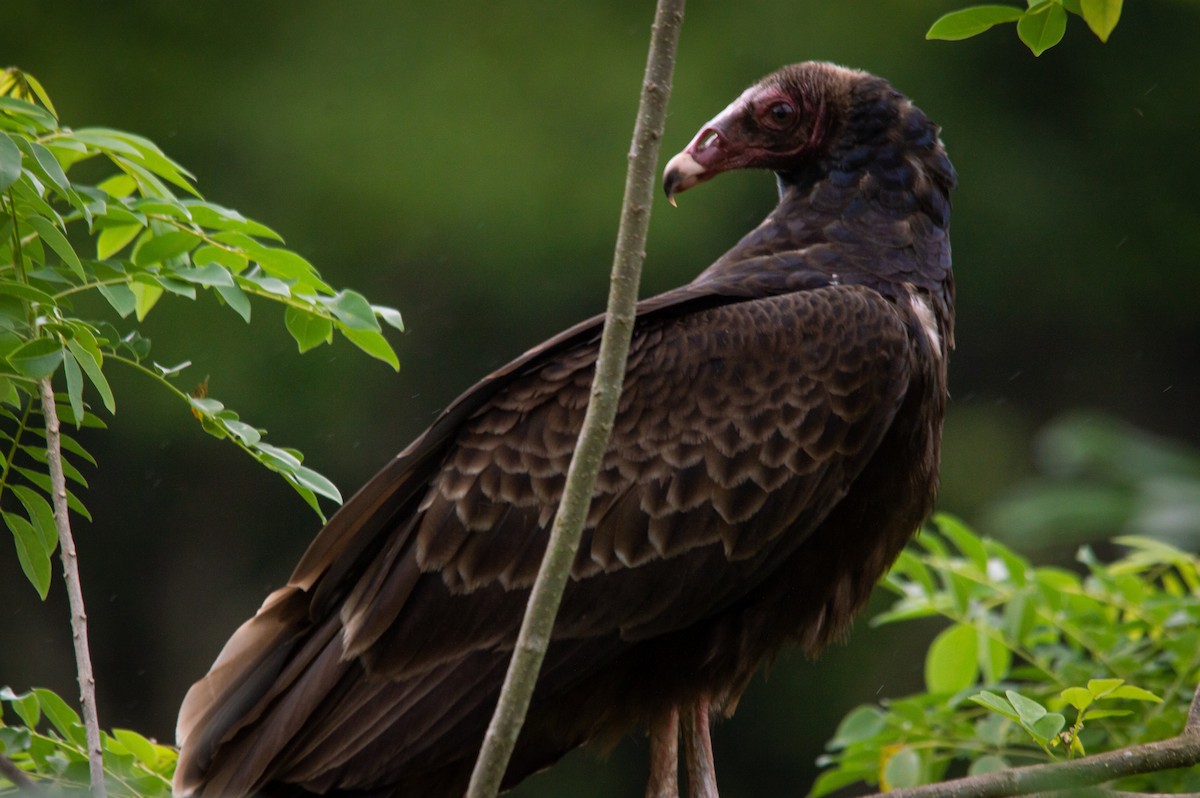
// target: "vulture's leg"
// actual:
[[664, 756], [697, 751]]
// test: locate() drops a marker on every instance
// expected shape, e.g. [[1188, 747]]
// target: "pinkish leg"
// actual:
[[697, 751], [664, 757]]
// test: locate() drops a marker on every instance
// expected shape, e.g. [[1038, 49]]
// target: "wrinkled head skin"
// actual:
[[780, 123]]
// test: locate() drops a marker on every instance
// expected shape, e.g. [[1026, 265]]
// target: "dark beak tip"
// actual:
[[671, 181]]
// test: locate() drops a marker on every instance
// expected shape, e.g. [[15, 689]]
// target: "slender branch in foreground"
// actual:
[[1180, 751], [18, 777], [66, 544], [536, 628]]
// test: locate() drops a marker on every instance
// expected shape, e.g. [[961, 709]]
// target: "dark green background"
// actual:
[[464, 162]]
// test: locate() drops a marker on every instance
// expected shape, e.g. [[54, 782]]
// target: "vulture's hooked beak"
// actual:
[[696, 163], [718, 147]]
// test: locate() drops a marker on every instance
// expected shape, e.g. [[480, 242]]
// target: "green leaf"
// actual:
[[216, 217], [272, 285], [114, 239], [1077, 697], [995, 658], [352, 309], [27, 292], [39, 91], [902, 769], [316, 483], [1102, 687], [120, 296], [74, 383], [91, 363], [1134, 693], [145, 295], [117, 186], [42, 480], [1097, 714], [163, 246], [996, 703], [861, 724], [236, 298], [37, 358], [57, 242], [834, 780], [176, 286], [1029, 711], [952, 663], [284, 264], [26, 705], [308, 329], [230, 260], [10, 163], [1042, 27], [390, 316], [1101, 16], [31, 553], [65, 719], [37, 119], [40, 514], [211, 275], [968, 22], [1047, 727], [142, 749], [964, 539], [374, 344], [51, 167], [244, 432]]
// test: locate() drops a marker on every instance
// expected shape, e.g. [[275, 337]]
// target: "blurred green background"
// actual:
[[464, 163]]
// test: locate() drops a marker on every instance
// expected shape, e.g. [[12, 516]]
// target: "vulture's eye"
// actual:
[[782, 112]]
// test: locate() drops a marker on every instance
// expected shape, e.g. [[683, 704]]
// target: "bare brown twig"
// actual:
[[70, 560], [18, 777], [536, 628], [1180, 751]]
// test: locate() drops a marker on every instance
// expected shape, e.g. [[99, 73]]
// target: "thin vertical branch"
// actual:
[[66, 544], [544, 599]]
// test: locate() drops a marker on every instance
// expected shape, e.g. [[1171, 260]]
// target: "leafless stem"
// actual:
[[1178, 752], [534, 637], [66, 543], [18, 777]]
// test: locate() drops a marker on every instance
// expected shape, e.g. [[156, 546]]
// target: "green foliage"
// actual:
[[1039, 664], [138, 234], [49, 744], [1040, 26]]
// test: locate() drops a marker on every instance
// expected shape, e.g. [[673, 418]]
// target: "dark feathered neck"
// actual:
[[873, 209]]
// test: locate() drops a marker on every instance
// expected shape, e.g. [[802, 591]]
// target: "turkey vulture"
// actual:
[[777, 443]]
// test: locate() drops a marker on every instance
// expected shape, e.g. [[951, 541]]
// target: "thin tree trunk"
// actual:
[[66, 545], [534, 637]]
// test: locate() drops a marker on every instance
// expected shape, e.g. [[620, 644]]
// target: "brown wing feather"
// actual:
[[740, 427]]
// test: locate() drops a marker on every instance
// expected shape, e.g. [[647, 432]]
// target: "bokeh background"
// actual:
[[464, 161]]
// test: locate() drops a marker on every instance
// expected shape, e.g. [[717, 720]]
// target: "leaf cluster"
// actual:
[[49, 744], [101, 212], [1039, 663], [1040, 25]]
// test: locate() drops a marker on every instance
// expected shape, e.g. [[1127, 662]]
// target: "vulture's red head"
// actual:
[[782, 123]]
